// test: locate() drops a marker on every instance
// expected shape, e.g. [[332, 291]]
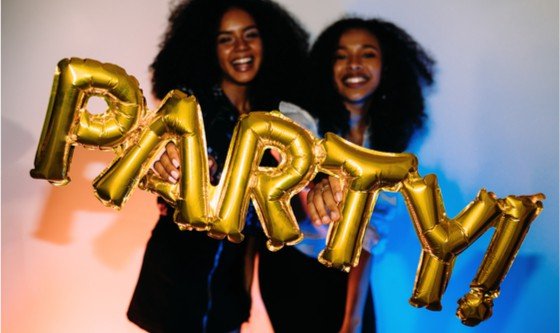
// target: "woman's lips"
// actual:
[[243, 64], [354, 81]]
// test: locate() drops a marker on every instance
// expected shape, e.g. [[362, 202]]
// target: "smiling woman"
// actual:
[[357, 67], [231, 55], [239, 48], [367, 76], [357, 73]]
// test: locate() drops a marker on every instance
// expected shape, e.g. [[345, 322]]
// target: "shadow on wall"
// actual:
[[129, 229]]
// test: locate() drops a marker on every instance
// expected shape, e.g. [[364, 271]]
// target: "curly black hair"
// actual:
[[187, 55], [397, 107]]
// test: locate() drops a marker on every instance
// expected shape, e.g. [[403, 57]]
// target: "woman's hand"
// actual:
[[323, 200], [168, 166]]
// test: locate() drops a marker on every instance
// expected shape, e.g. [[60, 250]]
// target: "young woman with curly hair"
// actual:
[[235, 56], [386, 104], [368, 77]]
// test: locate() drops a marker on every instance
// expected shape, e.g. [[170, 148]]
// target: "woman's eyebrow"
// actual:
[[370, 46], [254, 26], [363, 46]]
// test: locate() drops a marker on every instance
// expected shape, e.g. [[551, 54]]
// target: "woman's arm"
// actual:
[[358, 281]]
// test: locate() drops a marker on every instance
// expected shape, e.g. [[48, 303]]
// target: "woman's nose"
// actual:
[[355, 63], [241, 44]]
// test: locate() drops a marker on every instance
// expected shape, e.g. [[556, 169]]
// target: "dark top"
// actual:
[[190, 282]]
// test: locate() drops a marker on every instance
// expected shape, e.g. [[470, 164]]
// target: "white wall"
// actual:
[[70, 265]]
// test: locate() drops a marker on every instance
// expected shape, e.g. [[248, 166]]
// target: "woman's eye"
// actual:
[[225, 39], [340, 56], [369, 55], [252, 34]]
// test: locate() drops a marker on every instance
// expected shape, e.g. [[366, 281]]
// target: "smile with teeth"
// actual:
[[352, 80], [241, 63]]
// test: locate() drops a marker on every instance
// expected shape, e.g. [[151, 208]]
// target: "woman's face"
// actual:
[[239, 47], [357, 65]]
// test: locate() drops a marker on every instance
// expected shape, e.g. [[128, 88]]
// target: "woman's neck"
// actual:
[[357, 121], [238, 95], [356, 109]]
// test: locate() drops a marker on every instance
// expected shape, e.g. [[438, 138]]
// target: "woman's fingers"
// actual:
[[336, 186], [173, 154], [167, 167], [160, 170], [323, 201], [313, 214], [319, 204], [328, 195]]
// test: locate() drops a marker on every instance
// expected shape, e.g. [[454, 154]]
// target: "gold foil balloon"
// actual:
[[476, 306], [365, 172], [221, 209], [442, 239], [518, 212], [191, 195], [137, 137], [171, 121], [271, 188], [68, 122], [154, 183]]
